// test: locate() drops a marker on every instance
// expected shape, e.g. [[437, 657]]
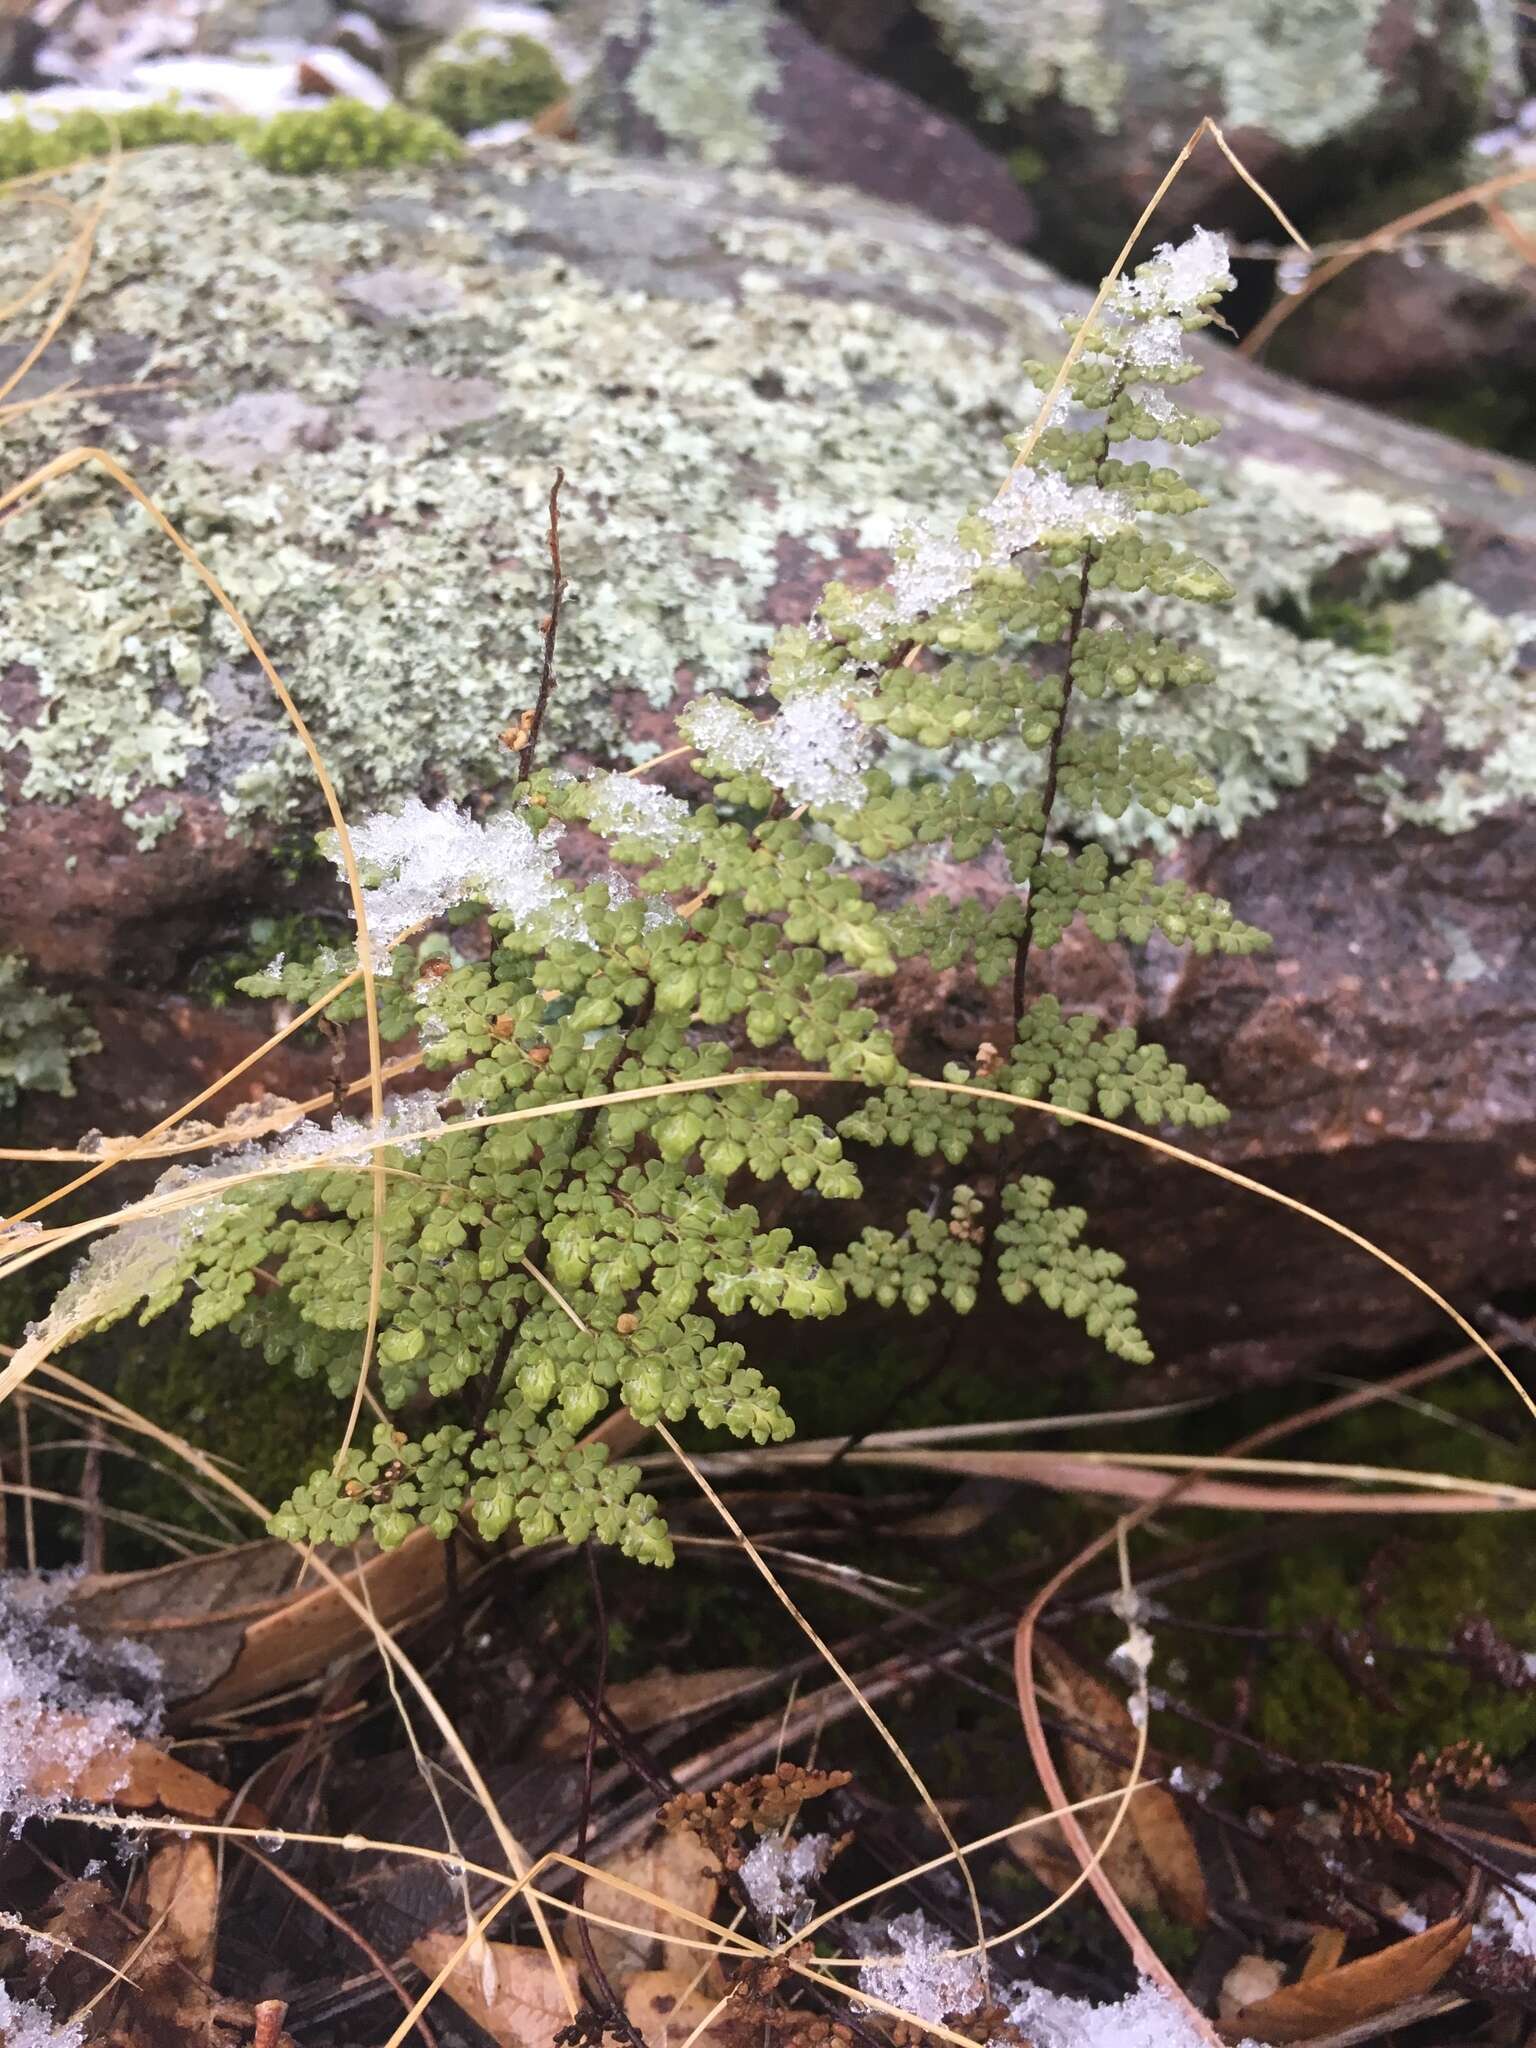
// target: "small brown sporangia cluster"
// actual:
[[764, 1804]]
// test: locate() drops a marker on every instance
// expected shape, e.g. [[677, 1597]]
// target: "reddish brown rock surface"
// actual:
[[1381, 1062]]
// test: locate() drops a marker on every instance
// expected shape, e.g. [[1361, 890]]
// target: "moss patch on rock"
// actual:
[[480, 78], [342, 135]]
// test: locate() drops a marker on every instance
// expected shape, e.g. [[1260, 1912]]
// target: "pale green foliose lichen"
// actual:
[[1278, 534], [41, 1035], [366, 390], [701, 74], [385, 538], [1015, 55], [1304, 72]]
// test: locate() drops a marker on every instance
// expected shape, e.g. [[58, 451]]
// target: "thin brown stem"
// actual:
[[93, 1524], [613, 2014], [551, 630], [1053, 756]]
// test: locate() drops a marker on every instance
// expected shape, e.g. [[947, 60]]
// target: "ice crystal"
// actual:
[[1159, 404], [1155, 344], [622, 807], [911, 1967], [1039, 504], [1512, 1916], [1035, 505], [813, 749], [144, 1257], [431, 859], [1147, 2019], [931, 572], [1133, 1658], [24, 2024], [778, 1874], [59, 1708], [1177, 279]]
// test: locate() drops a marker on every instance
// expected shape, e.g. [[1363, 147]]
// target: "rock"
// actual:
[[734, 83], [1318, 99], [753, 384], [1447, 320]]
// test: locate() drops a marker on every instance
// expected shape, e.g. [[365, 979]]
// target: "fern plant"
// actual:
[[539, 1268]]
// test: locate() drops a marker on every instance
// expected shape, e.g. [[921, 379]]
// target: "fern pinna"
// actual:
[[538, 1267]]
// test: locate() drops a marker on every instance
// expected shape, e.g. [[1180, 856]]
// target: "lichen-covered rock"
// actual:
[[1319, 97], [353, 394], [1447, 320], [733, 82], [41, 1036]]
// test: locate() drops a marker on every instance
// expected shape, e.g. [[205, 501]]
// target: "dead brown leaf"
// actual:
[[513, 1993], [181, 1893], [165, 2000], [138, 1775], [1358, 1991], [666, 2005], [1325, 1952], [1152, 1862], [248, 1622], [670, 1870], [1044, 1852], [643, 1703]]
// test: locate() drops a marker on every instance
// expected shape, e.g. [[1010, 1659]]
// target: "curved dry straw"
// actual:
[[23, 1364], [99, 458]]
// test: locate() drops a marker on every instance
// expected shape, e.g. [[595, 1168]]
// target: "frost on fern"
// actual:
[[542, 1263]]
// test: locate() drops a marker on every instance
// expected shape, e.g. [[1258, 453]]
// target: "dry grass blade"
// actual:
[[81, 458], [829, 1657], [1382, 238], [1116, 1475], [1206, 128], [1155, 1852], [517, 1995]]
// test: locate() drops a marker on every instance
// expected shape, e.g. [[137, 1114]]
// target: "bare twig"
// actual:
[[342, 1926], [270, 2015], [93, 1525], [614, 2017], [526, 738]]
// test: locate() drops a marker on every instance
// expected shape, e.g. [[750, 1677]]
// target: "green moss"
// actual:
[[1310, 1709], [216, 977], [41, 1036], [479, 78], [272, 1430], [26, 147], [1432, 1572], [342, 135], [1027, 165], [1343, 620]]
